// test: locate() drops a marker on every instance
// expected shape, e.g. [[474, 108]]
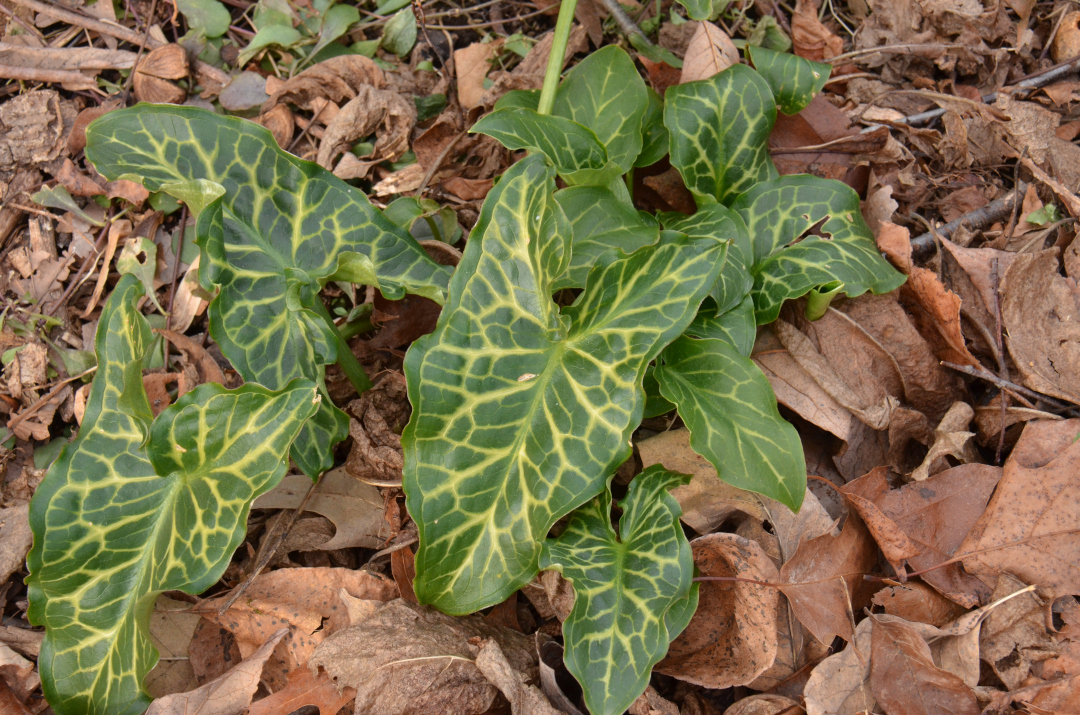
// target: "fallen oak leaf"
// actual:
[[905, 680], [524, 698], [304, 688], [732, 637], [823, 580], [225, 695], [1026, 528]]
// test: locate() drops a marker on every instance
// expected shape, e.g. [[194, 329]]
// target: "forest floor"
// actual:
[[939, 422]]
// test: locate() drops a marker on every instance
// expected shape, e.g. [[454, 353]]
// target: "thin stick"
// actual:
[[76, 281], [1000, 382], [135, 66], [437, 163], [1003, 367], [624, 21], [175, 275], [924, 245], [32, 409]]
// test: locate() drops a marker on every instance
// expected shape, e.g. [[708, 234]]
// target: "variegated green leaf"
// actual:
[[655, 403], [625, 585], [132, 508], [520, 410], [721, 223], [600, 223], [719, 133], [789, 261], [737, 326], [519, 98], [654, 134], [605, 93], [699, 9], [730, 409], [280, 229], [793, 80], [574, 149]]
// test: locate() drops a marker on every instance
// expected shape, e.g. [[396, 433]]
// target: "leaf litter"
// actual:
[[935, 492]]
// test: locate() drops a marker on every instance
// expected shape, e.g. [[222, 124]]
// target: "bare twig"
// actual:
[[437, 163], [624, 21], [77, 280], [922, 246], [1003, 366], [1008, 385], [175, 275]]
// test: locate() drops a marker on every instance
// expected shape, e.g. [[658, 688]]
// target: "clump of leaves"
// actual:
[[522, 409], [136, 506]]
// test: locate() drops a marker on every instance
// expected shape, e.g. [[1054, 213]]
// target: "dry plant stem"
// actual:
[[32, 409], [624, 21], [269, 548], [131, 79], [437, 163], [923, 246], [77, 280], [118, 31], [175, 275], [1003, 367], [33, 74], [1031, 82], [1006, 384]]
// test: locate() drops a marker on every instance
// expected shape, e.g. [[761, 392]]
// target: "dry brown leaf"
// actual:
[[1060, 697], [905, 680], [468, 189], [371, 111], [377, 419], [731, 639], [336, 79], [710, 52], [1024, 526], [15, 539], [226, 695], [471, 65], [117, 230], [279, 120], [303, 599], [22, 640], [1041, 314], [1066, 44], [408, 659], [157, 389], [823, 580], [839, 684], [401, 181], [1015, 636], [304, 689], [811, 39], [525, 698], [355, 508], [864, 397], [32, 129], [209, 370], [172, 626], [765, 704], [952, 439], [937, 315], [152, 75], [935, 515], [76, 182], [18, 674], [914, 601], [403, 567]]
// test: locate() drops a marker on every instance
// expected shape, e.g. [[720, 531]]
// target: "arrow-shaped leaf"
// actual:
[[600, 223], [719, 129], [131, 509], [520, 410], [793, 80], [625, 586], [729, 407], [574, 149], [722, 224], [789, 261], [280, 229], [605, 93], [737, 326]]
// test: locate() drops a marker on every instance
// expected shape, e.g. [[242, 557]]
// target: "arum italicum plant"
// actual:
[[522, 409]]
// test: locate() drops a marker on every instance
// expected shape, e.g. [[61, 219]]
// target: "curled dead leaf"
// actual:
[[152, 75], [281, 124], [371, 111], [336, 79], [710, 52]]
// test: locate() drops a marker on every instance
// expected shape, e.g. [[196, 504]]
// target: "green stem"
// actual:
[[345, 358], [558, 54]]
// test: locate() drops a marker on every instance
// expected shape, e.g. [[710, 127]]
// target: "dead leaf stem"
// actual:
[[1006, 384], [923, 246]]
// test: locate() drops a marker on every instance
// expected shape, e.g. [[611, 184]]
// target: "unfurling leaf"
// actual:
[[136, 506], [727, 403], [794, 80], [625, 584], [794, 254], [520, 410], [719, 129], [280, 229]]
